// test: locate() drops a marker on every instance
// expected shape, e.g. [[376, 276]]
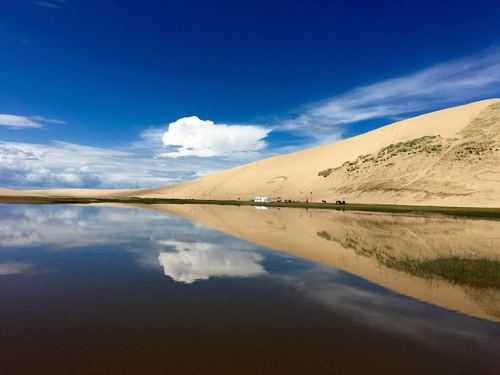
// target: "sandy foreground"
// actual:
[[353, 242]]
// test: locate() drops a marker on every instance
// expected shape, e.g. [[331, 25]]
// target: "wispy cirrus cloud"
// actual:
[[453, 82], [19, 122], [450, 83], [26, 122], [47, 120], [50, 4]]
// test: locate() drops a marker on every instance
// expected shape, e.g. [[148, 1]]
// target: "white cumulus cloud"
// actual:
[[201, 260], [192, 136]]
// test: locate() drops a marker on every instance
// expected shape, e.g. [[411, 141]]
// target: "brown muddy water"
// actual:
[[240, 290]]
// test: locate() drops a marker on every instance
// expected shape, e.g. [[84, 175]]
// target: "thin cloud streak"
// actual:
[[19, 122], [47, 120], [26, 122], [453, 82], [53, 4]]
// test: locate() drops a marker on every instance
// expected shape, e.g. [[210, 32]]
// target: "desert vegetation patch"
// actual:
[[386, 157]]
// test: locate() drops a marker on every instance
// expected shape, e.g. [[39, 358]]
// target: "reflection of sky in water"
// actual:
[[191, 261], [39, 241], [187, 252]]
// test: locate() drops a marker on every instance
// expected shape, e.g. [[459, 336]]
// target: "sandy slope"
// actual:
[[69, 193], [12, 193], [456, 164], [355, 242], [81, 193]]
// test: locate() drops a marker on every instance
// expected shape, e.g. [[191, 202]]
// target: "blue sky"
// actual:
[[89, 88]]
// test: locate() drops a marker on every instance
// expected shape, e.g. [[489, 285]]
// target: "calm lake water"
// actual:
[[196, 289]]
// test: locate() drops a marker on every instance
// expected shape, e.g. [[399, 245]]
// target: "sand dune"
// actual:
[[445, 158], [15, 193], [68, 193], [81, 193], [448, 158]]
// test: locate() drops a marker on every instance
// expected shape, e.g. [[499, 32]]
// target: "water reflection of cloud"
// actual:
[[64, 227], [132, 230], [375, 306], [192, 261], [192, 252], [7, 269]]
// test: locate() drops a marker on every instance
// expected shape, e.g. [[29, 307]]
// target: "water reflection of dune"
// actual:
[[356, 243], [191, 261]]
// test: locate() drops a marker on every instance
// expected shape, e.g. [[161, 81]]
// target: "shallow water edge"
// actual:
[[468, 212]]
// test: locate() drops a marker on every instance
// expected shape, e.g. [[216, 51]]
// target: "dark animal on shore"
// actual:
[[323, 201]]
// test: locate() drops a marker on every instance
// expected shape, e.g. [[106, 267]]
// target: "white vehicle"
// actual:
[[263, 199]]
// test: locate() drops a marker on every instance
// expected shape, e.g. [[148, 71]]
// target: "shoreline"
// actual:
[[467, 212]]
